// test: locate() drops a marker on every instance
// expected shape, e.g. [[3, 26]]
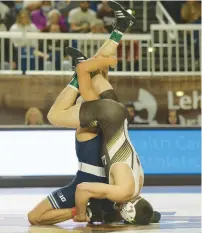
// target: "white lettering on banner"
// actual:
[[185, 102], [196, 100], [171, 101]]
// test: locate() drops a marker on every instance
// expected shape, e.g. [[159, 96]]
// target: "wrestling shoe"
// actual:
[[156, 217], [94, 211], [123, 19], [76, 55]]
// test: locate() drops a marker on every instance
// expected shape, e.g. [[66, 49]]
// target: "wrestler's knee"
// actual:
[[52, 117], [82, 186], [33, 218]]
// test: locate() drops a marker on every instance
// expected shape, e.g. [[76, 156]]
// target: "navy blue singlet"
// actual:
[[88, 152]]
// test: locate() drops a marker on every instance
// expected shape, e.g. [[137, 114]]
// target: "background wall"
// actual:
[[151, 96]]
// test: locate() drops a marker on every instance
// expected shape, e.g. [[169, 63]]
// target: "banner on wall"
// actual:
[[52, 152], [187, 107], [152, 97]]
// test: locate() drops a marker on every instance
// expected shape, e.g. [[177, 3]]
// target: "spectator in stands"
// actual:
[[11, 16], [106, 14], [34, 117], [55, 17], [173, 118], [81, 18], [42, 17], [97, 26], [26, 4], [5, 59], [32, 5], [131, 111], [23, 24], [191, 13], [66, 6], [39, 17], [53, 50]]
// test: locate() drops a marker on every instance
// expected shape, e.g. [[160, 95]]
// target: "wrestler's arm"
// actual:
[[85, 191], [85, 68]]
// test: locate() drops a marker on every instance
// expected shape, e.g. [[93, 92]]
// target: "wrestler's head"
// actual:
[[138, 211]]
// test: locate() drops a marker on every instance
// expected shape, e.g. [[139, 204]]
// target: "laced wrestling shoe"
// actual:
[[123, 19], [76, 55]]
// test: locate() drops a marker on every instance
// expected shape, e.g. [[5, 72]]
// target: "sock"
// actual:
[[74, 82], [73, 212], [116, 36]]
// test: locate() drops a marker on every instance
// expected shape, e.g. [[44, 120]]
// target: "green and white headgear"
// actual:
[[138, 211]]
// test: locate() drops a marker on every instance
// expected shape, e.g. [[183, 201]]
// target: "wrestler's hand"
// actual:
[[81, 218], [113, 61]]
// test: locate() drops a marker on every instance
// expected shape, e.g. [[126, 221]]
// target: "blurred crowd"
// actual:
[[186, 12], [66, 16], [55, 17], [74, 17], [34, 117]]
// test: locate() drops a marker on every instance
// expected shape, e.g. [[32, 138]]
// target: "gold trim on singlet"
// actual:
[[93, 124], [119, 148], [123, 153], [115, 138]]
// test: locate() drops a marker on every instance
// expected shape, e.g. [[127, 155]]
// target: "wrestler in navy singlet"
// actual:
[[88, 153]]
